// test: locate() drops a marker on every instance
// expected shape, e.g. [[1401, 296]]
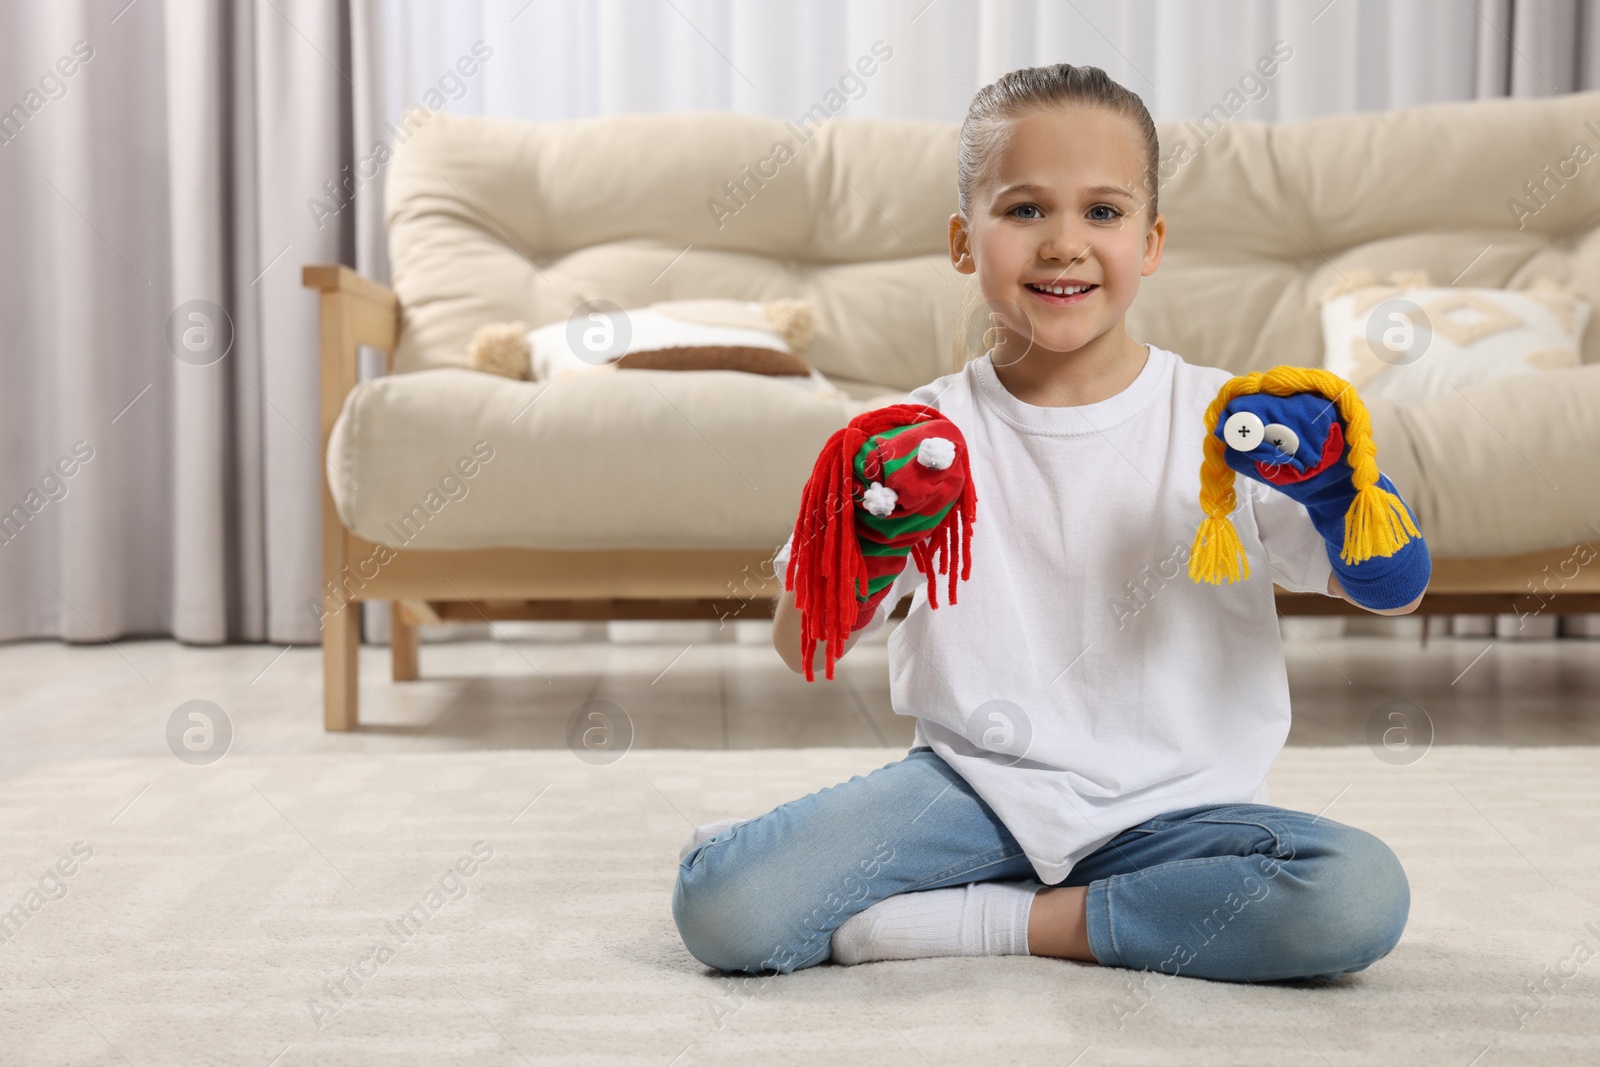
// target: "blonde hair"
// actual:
[[988, 128], [1377, 522]]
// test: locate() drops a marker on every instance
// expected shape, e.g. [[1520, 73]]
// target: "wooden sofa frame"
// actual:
[[435, 587]]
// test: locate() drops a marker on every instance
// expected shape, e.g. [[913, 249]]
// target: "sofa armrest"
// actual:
[[337, 276], [355, 311]]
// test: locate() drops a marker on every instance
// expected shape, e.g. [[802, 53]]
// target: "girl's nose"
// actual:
[[1061, 245]]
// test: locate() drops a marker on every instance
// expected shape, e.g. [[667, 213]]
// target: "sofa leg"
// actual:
[[341, 647], [404, 643]]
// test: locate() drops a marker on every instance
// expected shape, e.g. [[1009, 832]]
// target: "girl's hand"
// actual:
[[908, 482], [1297, 445], [892, 483]]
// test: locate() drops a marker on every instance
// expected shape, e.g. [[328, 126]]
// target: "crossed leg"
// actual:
[[1242, 892]]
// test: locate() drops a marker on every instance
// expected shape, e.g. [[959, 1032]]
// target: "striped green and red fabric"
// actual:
[[923, 497], [840, 574]]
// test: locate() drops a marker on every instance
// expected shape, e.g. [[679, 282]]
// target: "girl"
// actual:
[[1094, 729]]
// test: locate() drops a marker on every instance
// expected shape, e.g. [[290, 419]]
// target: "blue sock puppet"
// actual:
[[1305, 433]]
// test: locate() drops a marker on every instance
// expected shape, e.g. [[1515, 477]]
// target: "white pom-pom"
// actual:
[[937, 453], [879, 499]]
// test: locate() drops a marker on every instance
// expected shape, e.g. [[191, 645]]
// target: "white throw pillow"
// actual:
[[595, 339], [1414, 342]]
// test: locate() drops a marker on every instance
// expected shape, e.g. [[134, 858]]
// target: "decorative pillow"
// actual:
[[1406, 340], [751, 336]]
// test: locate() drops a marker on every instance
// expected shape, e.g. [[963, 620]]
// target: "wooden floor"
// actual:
[[685, 685]]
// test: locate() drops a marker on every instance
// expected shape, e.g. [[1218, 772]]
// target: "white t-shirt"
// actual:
[[1083, 683]]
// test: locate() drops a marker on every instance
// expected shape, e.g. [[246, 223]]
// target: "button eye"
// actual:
[[1243, 431], [1286, 440]]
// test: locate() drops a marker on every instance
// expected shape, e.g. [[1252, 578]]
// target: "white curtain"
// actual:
[[160, 161], [153, 220], [565, 60]]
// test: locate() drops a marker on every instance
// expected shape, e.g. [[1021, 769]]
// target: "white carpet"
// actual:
[[219, 900]]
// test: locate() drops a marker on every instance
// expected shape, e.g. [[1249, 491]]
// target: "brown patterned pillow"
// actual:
[[689, 328]]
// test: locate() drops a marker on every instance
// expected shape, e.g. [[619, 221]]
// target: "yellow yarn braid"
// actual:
[[1377, 523]]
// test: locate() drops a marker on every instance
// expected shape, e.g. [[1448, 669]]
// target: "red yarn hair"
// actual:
[[826, 569]]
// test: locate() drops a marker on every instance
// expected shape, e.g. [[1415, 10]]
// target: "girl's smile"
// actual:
[[1067, 293]]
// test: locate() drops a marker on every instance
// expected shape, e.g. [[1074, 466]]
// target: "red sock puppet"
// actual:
[[899, 476]]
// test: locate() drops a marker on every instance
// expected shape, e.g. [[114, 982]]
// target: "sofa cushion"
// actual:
[[1500, 467], [631, 459], [495, 220], [717, 459]]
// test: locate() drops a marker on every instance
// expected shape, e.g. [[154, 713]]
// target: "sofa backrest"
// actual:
[[495, 220]]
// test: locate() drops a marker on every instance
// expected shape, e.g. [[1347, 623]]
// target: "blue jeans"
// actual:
[[1239, 892]]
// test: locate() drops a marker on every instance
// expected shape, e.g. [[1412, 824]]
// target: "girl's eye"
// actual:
[[1115, 213], [1020, 207]]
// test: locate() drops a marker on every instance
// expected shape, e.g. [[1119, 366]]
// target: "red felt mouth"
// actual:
[[1286, 474]]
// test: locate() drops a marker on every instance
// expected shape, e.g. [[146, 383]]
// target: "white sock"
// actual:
[[976, 919]]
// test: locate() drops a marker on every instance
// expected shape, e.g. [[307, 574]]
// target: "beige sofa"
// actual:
[[656, 494]]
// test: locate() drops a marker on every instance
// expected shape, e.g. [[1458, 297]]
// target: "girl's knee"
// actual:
[[709, 920], [1379, 895], [730, 924], [1359, 901]]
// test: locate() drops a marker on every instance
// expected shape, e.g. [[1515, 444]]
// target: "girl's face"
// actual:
[[1064, 204]]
